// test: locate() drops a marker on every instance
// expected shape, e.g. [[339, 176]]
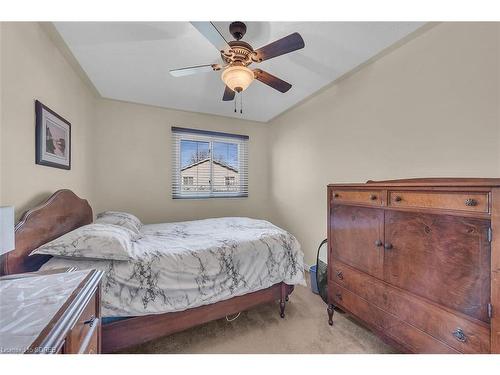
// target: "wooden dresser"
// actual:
[[50, 312], [418, 261]]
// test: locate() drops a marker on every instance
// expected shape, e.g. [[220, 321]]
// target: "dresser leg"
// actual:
[[330, 314]]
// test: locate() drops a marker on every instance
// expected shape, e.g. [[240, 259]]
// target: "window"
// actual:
[[209, 164]]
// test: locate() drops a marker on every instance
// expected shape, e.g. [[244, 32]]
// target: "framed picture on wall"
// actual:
[[53, 138]]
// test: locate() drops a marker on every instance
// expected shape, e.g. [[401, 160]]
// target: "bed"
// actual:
[[185, 273]]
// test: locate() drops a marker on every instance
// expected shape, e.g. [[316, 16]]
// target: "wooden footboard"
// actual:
[[125, 333]]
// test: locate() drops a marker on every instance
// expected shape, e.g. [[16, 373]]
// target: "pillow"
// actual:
[[97, 241], [122, 219]]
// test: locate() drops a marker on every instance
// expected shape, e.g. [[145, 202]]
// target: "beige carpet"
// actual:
[[305, 329]]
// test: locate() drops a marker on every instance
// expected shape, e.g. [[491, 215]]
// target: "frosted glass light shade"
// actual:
[[237, 77], [7, 237]]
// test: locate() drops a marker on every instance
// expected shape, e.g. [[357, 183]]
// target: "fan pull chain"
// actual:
[[236, 101]]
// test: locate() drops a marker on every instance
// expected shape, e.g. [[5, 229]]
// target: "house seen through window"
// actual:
[[187, 181], [209, 164]]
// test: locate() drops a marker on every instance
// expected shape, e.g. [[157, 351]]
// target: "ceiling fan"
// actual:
[[237, 55]]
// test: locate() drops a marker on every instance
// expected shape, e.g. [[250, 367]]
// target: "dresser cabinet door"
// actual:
[[443, 258], [357, 237]]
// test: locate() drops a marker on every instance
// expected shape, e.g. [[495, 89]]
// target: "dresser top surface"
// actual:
[[426, 182], [30, 304]]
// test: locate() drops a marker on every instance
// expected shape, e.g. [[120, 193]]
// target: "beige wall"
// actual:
[[428, 108], [32, 67], [133, 170]]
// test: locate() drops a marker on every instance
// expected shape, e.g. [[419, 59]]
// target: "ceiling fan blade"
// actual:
[[209, 31], [281, 46], [228, 95], [270, 80], [195, 69]]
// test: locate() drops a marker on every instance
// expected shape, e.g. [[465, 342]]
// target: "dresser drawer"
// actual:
[[388, 324], [358, 196], [84, 336], [444, 325], [460, 201]]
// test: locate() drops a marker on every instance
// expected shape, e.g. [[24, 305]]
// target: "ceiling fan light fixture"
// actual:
[[237, 77]]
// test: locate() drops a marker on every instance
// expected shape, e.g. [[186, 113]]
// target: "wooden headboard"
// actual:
[[61, 213]]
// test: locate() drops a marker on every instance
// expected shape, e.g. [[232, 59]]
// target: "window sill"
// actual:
[[210, 197]]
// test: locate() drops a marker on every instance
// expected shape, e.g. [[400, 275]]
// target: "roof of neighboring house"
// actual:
[[222, 164]]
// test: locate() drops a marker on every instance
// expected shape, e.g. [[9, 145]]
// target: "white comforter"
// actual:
[[188, 264]]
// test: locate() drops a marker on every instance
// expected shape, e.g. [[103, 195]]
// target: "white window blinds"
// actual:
[[208, 164]]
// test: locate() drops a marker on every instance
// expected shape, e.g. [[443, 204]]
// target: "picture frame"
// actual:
[[52, 138]]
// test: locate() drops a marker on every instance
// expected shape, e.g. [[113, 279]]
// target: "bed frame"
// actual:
[[63, 212]]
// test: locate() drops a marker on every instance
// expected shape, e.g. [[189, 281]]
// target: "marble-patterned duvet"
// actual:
[[182, 265]]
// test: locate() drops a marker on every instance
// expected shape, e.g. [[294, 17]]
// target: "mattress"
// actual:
[[182, 265]]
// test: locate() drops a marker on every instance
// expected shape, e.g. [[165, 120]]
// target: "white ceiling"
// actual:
[[131, 61]]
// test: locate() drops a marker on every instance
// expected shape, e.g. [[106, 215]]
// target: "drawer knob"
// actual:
[[460, 335], [340, 275], [397, 198], [470, 202], [90, 322], [378, 243], [336, 195], [339, 296], [388, 246], [373, 197]]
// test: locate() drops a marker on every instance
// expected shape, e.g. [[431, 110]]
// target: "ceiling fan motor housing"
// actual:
[[239, 52]]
